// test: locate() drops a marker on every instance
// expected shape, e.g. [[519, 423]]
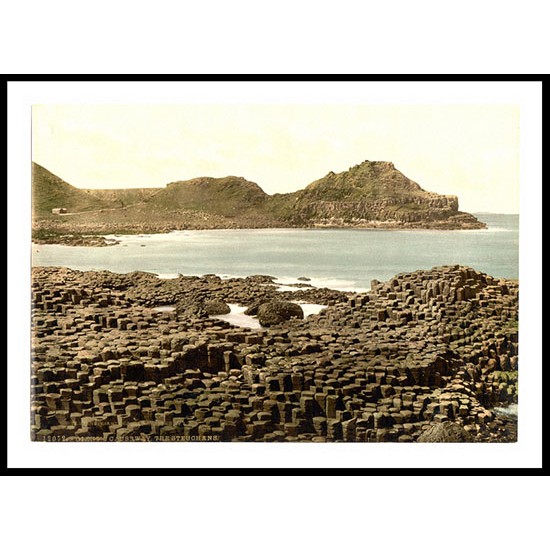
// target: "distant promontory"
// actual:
[[372, 194]]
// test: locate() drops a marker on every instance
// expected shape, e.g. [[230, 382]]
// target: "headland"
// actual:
[[372, 194]]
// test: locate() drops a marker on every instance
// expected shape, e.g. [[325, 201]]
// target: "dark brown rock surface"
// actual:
[[423, 348], [446, 432], [216, 307], [278, 311]]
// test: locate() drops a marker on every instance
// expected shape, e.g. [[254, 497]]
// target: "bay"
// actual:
[[346, 259]]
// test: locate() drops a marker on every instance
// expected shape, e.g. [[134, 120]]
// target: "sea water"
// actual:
[[346, 259], [238, 317]]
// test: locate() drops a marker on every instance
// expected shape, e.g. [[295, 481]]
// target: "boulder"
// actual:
[[445, 432], [187, 310], [260, 279], [216, 307], [278, 311], [253, 309]]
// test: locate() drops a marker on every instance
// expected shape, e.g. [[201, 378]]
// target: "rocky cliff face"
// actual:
[[375, 193]]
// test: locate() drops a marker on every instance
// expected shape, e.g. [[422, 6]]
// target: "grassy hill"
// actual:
[[371, 180], [230, 196], [370, 194], [49, 191], [120, 198]]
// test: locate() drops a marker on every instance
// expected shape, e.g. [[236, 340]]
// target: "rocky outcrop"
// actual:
[[46, 237], [446, 432], [376, 194], [216, 307], [421, 349], [278, 311]]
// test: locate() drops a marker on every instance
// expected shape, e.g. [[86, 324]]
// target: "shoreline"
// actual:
[[419, 352], [282, 285], [50, 232]]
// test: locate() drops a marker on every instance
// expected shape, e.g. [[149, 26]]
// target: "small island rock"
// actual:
[[278, 311]]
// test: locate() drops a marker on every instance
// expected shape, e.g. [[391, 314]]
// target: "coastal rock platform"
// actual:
[[424, 348]]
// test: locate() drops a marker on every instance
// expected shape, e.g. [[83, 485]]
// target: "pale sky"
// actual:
[[467, 150]]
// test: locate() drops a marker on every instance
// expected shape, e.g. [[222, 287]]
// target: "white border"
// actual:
[[23, 453]]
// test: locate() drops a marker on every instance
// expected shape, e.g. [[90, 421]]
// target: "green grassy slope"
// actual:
[[366, 180], [125, 197], [230, 196], [49, 191]]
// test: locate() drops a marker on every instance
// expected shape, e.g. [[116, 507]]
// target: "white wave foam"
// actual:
[[510, 410], [320, 282], [488, 230], [310, 309], [237, 318], [160, 237]]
